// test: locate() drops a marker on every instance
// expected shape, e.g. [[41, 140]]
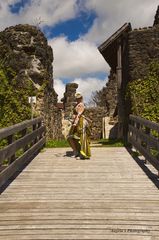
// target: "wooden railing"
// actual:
[[18, 144], [144, 137]]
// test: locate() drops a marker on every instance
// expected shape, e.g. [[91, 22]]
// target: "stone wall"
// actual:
[[108, 116], [69, 100], [139, 47], [24, 49], [53, 116], [110, 94], [68, 106], [143, 48], [96, 114]]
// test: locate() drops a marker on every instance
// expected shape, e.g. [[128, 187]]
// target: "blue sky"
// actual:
[[16, 7], [74, 29]]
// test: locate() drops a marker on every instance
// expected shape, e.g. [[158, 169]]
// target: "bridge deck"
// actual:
[[57, 197]]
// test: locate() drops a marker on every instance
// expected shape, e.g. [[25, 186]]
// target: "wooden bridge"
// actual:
[[110, 196]]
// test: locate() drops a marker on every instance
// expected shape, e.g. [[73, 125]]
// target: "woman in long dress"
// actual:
[[79, 133]]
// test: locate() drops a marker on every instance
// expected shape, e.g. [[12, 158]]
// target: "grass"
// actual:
[[135, 154], [102, 142], [111, 142], [56, 143], [154, 152]]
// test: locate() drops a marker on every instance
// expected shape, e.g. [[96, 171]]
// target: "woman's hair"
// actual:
[[78, 95]]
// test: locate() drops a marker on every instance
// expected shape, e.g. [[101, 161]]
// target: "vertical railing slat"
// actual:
[[141, 137], [23, 139]]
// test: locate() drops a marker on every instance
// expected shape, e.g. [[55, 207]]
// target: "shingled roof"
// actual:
[[109, 48], [156, 21]]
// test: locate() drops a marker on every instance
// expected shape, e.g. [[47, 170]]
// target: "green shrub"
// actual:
[[144, 94], [56, 143], [14, 106], [111, 142]]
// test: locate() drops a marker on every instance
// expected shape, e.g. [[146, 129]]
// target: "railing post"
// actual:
[[134, 136], [20, 145], [147, 147], [144, 137], [129, 132], [34, 128], [39, 125], [10, 140], [23, 133]]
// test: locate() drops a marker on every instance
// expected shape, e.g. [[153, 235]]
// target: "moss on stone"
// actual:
[[14, 106], [143, 94]]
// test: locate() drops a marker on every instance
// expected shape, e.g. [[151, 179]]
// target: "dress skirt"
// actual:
[[81, 133]]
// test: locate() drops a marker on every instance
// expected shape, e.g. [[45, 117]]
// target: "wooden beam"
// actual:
[[34, 139], [19, 162], [18, 127]]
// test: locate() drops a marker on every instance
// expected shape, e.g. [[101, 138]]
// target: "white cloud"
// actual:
[[59, 87], [47, 12], [50, 12], [86, 86], [110, 14], [75, 59], [72, 59], [80, 58], [113, 14]]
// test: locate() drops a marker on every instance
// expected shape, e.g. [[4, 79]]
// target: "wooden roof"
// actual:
[[125, 28], [109, 48]]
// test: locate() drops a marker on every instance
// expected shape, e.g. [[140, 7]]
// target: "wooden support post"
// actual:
[[34, 128], [39, 125], [147, 131], [119, 82], [24, 132], [10, 140]]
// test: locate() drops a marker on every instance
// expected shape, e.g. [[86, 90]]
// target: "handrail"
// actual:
[[144, 136], [18, 143]]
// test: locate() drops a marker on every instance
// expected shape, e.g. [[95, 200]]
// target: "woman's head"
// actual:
[[78, 97]]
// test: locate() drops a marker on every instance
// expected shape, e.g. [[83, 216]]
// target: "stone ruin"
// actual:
[[68, 105], [128, 52], [24, 48]]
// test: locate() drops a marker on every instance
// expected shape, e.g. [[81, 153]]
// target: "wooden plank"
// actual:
[[145, 122], [58, 232], [8, 151], [76, 237], [18, 127], [19, 162], [57, 197], [137, 137], [154, 161], [149, 139], [125, 28]]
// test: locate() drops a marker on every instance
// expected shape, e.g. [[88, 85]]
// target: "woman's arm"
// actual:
[[79, 110]]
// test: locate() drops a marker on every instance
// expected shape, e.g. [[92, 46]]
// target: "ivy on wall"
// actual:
[[144, 94], [14, 106]]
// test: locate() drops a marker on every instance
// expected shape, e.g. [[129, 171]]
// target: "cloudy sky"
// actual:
[[75, 29]]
